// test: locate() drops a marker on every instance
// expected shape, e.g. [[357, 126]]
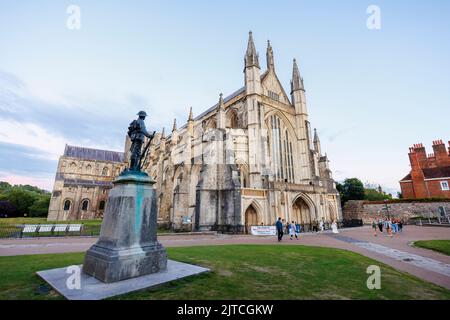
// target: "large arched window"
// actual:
[[281, 150], [85, 205], [67, 205]]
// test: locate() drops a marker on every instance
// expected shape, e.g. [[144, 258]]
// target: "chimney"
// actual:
[[421, 155], [440, 152]]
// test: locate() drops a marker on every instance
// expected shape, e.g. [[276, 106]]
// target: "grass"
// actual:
[[442, 246], [90, 227], [242, 272]]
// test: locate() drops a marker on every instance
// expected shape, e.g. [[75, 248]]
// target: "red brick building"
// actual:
[[430, 174]]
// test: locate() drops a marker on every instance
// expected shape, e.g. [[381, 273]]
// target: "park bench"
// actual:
[[60, 228], [45, 228], [29, 229], [75, 228]]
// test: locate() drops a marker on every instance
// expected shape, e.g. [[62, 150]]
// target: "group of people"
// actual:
[[391, 226], [293, 228]]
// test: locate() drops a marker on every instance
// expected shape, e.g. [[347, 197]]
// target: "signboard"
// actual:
[[187, 220], [264, 230]]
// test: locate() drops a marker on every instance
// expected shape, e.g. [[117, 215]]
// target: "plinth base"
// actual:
[[93, 289], [112, 265]]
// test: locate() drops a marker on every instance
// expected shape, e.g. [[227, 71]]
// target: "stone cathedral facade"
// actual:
[[247, 160]]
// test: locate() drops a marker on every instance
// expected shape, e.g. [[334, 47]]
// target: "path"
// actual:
[[396, 251]]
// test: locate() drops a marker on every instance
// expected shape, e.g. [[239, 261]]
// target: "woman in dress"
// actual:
[[334, 227]]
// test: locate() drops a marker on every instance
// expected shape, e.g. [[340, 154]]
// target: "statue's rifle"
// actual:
[[144, 154]]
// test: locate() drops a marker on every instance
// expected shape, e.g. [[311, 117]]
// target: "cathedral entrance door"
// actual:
[[251, 218]]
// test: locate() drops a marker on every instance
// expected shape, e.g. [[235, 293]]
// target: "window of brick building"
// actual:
[[445, 186]]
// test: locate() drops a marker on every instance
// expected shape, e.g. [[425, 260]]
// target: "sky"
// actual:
[[371, 93]]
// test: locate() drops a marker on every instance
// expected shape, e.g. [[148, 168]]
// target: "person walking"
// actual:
[[279, 226], [292, 231], [380, 225], [374, 227], [400, 226], [297, 230], [321, 225]]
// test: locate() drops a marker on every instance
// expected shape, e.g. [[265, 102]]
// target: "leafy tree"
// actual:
[[21, 199], [40, 207], [7, 209], [375, 195], [351, 189]]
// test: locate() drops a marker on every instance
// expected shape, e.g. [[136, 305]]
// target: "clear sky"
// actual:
[[371, 93]]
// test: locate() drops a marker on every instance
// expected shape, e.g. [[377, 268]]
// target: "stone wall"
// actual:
[[355, 209]]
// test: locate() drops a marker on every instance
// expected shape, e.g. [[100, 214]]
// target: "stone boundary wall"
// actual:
[[358, 209]]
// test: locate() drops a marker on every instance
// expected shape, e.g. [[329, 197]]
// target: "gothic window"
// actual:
[[281, 150], [102, 205], [274, 96], [105, 171], [233, 120], [85, 205], [67, 205], [88, 168], [212, 124]]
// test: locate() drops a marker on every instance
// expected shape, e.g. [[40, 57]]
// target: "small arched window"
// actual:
[[102, 205], [88, 169], [67, 205], [85, 205], [105, 171], [233, 120]]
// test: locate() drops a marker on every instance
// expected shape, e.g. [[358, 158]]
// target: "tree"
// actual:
[[375, 195], [351, 189], [40, 207], [7, 209], [21, 199]]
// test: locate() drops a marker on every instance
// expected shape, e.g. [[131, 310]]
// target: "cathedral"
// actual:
[[247, 160]]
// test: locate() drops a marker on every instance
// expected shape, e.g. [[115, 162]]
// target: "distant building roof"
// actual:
[[432, 173], [93, 154]]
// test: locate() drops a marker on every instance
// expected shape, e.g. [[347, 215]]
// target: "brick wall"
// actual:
[[367, 211]]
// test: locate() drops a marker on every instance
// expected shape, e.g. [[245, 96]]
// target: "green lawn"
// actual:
[[242, 272], [442, 246], [90, 227]]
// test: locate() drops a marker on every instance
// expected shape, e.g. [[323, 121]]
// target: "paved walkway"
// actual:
[[396, 251]]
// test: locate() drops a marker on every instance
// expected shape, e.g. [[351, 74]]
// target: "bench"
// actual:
[[60, 228], [30, 228], [75, 228], [45, 228]]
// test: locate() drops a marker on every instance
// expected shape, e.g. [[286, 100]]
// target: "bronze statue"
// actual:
[[137, 132]]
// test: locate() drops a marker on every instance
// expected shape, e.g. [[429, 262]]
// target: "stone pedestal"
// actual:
[[127, 247]]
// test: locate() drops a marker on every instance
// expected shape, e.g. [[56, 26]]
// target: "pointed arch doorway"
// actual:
[[251, 218]]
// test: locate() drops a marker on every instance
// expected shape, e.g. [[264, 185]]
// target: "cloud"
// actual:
[[34, 130]]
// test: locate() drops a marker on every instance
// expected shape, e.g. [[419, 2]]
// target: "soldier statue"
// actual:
[[137, 132]]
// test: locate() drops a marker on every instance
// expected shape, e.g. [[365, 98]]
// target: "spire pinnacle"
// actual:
[[269, 55], [316, 136], [297, 80], [191, 115], [163, 133], [174, 125], [251, 56], [221, 102]]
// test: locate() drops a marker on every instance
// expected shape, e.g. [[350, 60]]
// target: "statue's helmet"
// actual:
[[142, 114]]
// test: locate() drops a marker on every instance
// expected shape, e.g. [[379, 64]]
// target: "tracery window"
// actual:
[[281, 150]]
